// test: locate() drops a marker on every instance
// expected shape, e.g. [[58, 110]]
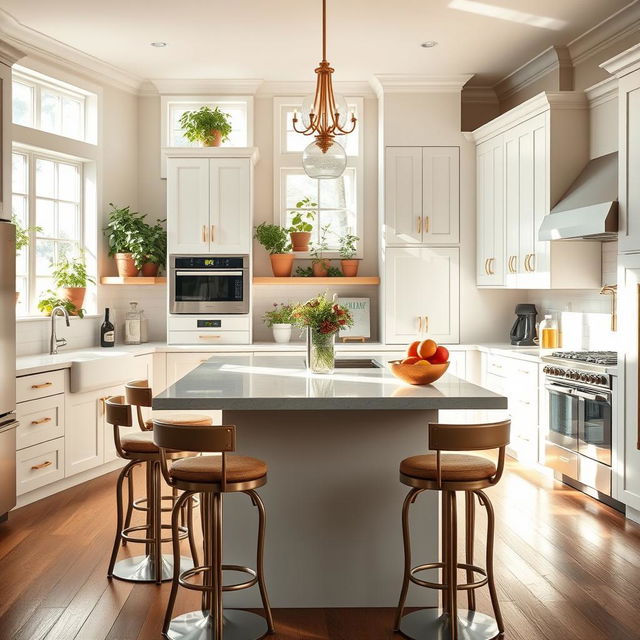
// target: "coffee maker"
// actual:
[[523, 332]]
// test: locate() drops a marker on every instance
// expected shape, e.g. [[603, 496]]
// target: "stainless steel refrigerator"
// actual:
[[8, 422]]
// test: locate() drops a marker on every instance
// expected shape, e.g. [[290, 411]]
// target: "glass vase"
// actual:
[[321, 353]]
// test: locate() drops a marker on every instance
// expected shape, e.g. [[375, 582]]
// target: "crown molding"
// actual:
[[616, 27], [550, 60], [286, 88], [543, 102], [479, 95], [602, 92], [624, 63], [32, 42], [9, 55], [253, 153], [186, 86], [401, 83]]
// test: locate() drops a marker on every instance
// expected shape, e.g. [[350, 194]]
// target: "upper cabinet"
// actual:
[[526, 160], [209, 203], [422, 196]]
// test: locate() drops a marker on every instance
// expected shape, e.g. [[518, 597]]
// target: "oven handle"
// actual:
[[212, 272], [591, 396], [568, 391]]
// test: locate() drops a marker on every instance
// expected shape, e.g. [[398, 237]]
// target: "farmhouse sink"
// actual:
[[91, 370]]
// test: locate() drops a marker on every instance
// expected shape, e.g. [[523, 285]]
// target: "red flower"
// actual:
[[342, 322]]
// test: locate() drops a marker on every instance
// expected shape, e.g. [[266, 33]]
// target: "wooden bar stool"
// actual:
[[449, 473], [139, 448], [212, 476]]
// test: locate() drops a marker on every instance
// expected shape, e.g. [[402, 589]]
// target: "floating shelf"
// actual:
[[366, 280], [133, 280]]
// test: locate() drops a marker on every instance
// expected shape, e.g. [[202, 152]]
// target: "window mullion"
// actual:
[[31, 249]]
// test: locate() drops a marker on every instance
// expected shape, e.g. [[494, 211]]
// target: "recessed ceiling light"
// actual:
[[429, 44], [158, 44]]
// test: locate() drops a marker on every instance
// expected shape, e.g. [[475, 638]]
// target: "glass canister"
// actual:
[[549, 333], [132, 325], [320, 351]]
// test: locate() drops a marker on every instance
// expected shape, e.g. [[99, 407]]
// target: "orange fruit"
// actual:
[[412, 349], [411, 360], [440, 356], [427, 348], [424, 362]]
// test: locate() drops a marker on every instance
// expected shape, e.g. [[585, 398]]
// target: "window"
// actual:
[[46, 193], [339, 202], [49, 105]]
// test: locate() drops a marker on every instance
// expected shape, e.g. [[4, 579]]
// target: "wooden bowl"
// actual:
[[418, 373]]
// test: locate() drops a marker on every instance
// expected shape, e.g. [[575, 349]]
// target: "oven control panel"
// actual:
[[589, 377]]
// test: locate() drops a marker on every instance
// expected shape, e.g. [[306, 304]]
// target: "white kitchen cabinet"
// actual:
[[422, 201], [545, 146], [422, 294]]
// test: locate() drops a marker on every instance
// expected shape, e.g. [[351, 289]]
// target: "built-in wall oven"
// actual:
[[209, 284]]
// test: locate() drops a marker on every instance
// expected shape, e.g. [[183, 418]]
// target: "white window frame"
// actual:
[[284, 161]]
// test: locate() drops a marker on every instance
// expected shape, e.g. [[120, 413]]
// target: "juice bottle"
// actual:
[[549, 334]]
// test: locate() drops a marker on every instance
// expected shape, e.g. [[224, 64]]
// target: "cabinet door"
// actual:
[[179, 364], [84, 432], [230, 205], [403, 195], [440, 195], [188, 224], [422, 294], [513, 261], [490, 259], [629, 159]]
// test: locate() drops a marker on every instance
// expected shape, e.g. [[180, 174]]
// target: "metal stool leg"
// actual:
[[192, 541], [127, 519], [470, 522], [217, 565], [444, 538], [491, 525], [452, 566], [116, 543], [156, 517]]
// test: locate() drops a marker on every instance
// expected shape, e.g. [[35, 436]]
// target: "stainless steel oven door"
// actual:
[[563, 416], [595, 425], [209, 291]]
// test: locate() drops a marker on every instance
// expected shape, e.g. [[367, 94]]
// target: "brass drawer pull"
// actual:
[[209, 337], [426, 224], [419, 229], [564, 459], [419, 324], [41, 421], [213, 233], [490, 264], [426, 324], [204, 233], [44, 385], [486, 268], [42, 465]]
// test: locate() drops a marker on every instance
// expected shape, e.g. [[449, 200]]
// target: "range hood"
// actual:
[[589, 209]]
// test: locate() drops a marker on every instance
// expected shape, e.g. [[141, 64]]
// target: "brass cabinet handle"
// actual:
[[213, 233], [426, 324], [486, 268], [491, 271], [526, 262], [204, 233], [41, 421], [564, 459], [426, 224], [512, 266], [44, 385], [209, 337], [419, 324], [42, 465], [532, 264], [419, 229]]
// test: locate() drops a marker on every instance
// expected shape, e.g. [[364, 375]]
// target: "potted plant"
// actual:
[[22, 239], [123, 232], [302, 224], [347, 249], [70, 275], [50, 299], [275, 240], [150, 252], [211, 127], [319, 263], [279, 319], [322, 318]]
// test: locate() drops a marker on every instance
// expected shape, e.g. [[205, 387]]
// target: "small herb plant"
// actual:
[[123, 230], [347, 247], [273, 238], [317, 255], [280, 314], [151, 245], [50, 299], [302, 221], [22, 234], [307, 272], [71, 272], [199, 125]]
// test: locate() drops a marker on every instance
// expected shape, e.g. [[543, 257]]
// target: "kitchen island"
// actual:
[[333, 444]]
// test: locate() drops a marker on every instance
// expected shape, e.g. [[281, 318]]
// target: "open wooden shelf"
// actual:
[[366, 280], [132, 280]]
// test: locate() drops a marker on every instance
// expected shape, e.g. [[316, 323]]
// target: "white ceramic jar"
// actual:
[[281, 333]]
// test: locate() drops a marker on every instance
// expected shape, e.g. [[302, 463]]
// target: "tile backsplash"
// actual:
[[32, 336]]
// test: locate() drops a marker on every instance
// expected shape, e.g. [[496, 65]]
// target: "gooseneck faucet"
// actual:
[[56, 342]]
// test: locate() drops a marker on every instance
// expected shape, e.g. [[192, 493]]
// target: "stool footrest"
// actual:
[[443, 585], [202, 570], [125, 534]]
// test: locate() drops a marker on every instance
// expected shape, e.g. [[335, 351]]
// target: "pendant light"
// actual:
[[324, 115]]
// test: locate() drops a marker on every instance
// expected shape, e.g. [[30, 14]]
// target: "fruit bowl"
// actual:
[[418, 373]]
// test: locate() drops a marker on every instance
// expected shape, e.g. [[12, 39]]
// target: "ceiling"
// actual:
[[280, 39]]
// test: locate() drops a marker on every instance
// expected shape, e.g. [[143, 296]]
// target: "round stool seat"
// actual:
[[455, 467], [209, 469], [187, 419], [139, 442]]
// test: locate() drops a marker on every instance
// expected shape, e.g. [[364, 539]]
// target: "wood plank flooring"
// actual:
[[568, 568]]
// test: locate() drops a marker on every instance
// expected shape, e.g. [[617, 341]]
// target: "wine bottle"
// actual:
[[107, 332]]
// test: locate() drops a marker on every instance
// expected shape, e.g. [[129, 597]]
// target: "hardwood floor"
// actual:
[[568, 568]]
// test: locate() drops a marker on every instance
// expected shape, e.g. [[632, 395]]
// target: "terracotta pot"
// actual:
[[350, 268], [217, 139], [321, 268], [300, 240], [149, 269], [126, 265], [281, 264], [75, 295]]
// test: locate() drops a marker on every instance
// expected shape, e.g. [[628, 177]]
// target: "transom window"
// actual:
[[47, 194]]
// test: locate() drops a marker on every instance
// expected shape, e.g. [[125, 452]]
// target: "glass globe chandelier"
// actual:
[[324, 115]]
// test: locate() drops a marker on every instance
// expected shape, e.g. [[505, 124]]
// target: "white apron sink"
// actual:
[[91, 370]]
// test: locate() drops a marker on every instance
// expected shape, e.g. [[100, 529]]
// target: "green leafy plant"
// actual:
[[303, 219], [347, 246], [280, 314], [317, 253], [150, 245], [198, 125], [322, 314], [50, 299], [307, 272], [71, 272], [273, 238], [22, 234], [124, 229]]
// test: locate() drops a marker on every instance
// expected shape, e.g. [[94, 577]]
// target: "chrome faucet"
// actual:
[[56, 342]]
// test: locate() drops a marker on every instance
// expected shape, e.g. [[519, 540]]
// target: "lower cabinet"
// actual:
[[39, 465]]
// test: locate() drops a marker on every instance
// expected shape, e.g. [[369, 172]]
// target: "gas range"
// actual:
[[583, 367]]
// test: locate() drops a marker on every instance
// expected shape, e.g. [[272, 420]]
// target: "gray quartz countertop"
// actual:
[[260, 382]]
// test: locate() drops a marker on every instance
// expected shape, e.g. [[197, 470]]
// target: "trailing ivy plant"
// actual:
[[198, 125]]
